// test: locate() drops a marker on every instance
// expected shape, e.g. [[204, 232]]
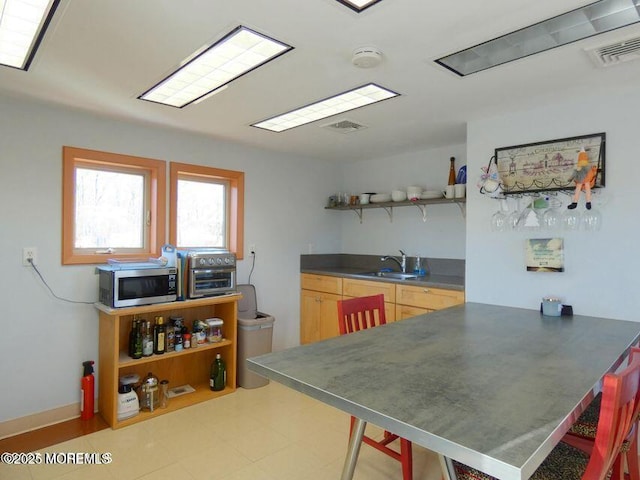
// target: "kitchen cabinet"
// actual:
[[364, 288], [412, 300], [319, 295], [318, 307], [191, 366]]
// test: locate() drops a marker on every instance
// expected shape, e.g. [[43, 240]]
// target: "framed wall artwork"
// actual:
[[550, 165], [545, 254]]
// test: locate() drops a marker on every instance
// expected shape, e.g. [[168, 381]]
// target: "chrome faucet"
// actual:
[[402, 264]]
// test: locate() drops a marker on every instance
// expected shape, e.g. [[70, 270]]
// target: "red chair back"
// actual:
[[618, 412], [359, 313]]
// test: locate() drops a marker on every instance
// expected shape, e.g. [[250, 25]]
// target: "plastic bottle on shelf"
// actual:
[[218, 378]]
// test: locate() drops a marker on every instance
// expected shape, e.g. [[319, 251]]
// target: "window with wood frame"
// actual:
[[113, 206], [206, 208]]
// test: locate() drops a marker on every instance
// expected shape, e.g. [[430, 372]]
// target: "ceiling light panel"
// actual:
[[593, 19], [22, 27], [206, 71], [343, 102], [358, 5]]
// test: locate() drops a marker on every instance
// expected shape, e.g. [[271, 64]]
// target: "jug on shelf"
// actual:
[[149, 393]]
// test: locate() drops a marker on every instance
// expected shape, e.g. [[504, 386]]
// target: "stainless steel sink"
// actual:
[[394, 275]]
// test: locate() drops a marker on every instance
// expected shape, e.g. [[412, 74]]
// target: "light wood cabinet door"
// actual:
[[362, 288], [309, 317], [329, 315], [428, 297], [318, 316]]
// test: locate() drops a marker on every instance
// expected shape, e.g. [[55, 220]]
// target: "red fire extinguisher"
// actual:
[[87, 386]]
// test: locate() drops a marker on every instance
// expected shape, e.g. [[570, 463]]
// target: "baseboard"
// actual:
[[28, 423]]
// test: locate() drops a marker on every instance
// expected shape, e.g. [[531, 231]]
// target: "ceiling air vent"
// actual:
[[344, 126], [615, 53]]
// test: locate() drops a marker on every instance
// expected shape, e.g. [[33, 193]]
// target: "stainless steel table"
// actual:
[[493, 387]]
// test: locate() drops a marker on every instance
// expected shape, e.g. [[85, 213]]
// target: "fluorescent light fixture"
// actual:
[[213, 67], [22, 27], [358, 5], [593, 19], [343, 102]]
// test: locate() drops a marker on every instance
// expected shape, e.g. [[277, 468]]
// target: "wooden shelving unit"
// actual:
[[186, 367]]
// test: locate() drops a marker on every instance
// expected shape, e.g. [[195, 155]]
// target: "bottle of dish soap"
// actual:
[[418, 269]]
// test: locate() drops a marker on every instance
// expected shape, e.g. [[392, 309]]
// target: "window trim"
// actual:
[[156, 169], [236, 201]]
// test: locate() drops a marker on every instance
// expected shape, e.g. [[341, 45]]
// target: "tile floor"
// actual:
[[267, 433]]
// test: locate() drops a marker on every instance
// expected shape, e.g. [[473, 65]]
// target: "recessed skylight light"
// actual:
[[239, 52], [593, 19], [22, 27], [358, 5], [343, 102]]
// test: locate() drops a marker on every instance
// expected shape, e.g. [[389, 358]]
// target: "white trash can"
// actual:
[[255, 336]]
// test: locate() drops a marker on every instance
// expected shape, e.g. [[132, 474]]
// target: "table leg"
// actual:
[[354, 449], [448, 473]]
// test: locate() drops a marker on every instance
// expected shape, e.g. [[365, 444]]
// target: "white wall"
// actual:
[[44, 340], [441, 236], [601, 267]]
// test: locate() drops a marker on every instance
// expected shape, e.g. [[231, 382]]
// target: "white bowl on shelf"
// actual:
[[398, 195], [380, 198], [430, 194], [413, 192]]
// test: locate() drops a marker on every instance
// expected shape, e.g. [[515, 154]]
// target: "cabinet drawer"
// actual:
[[321, 283], [406, 311], [364, 288], [428, 297]]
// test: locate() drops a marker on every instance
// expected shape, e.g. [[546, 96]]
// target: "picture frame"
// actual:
[[549, 165], [544, 255]]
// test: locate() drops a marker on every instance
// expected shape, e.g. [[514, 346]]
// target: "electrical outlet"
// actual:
[[252, 249], [29, 253]]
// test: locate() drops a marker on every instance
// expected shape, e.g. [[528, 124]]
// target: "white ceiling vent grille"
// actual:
[[615, 53], [344, 126]]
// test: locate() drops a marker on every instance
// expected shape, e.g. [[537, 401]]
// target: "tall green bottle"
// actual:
[[218, 377]]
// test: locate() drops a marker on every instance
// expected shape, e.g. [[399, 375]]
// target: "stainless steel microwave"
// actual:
[[120, 287]]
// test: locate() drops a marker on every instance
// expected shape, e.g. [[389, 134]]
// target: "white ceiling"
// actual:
[[99, 55]]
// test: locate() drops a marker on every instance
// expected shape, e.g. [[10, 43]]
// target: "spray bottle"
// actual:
[[87, 386]]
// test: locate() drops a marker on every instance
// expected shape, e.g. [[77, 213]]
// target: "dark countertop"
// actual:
[[451, 282]]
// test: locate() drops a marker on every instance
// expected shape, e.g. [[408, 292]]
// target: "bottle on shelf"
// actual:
[[159, 336], [452, 171], [137, 342], [218, 378], [132, 337], [170, 335], [147, 339]]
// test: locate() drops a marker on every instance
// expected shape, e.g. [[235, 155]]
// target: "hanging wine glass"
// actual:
[[551, 219], [499, 219], [592, 220], [571, 220], [513, 219]]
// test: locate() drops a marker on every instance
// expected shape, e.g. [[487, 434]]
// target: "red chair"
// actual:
[[583, 432], [356, 314], [618, 414]]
